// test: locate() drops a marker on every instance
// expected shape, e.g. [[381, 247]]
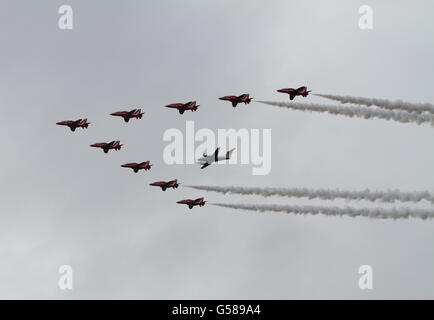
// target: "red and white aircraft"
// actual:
[[106, 146], [127, 115], [80, 123], [164, 185], [182, 107], [244, 98], [138, 166], [302, 91], [191, 203]]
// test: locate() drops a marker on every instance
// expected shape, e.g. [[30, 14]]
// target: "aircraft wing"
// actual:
[[206, 164]]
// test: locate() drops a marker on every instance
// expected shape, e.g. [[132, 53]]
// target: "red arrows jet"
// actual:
[[191, 203], [302, 91], [191, 105], [116, 145], [80, 123], [138, 166], [244, 98], [164, 185], [127, 115]]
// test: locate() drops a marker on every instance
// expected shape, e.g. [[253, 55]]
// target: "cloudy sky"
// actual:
[[63, 202]]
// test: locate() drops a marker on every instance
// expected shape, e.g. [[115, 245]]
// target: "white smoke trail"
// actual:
[[382, 103], [359, 112], [325, 194], [376, 213]]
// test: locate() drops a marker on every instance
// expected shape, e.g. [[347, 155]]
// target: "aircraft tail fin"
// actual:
[[216, 154], [228, 153]]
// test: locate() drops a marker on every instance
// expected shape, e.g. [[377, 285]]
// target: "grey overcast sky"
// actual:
[[63, 202]]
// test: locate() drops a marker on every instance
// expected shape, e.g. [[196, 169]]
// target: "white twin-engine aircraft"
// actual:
[[207, 160]]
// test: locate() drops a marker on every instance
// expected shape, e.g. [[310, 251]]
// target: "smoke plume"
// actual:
[[375, 213], [383, 103], [358, 112], [325, 194]]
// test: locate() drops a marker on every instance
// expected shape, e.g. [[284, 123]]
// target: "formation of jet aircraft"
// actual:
[[127, 115], [205, 161]]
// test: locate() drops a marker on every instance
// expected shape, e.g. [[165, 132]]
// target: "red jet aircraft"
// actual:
[[302, 91], [80, 123], [127, 115], [244, 98], [116, 145], [191, 203], [191, 105], [138, 166], [164, 185]]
